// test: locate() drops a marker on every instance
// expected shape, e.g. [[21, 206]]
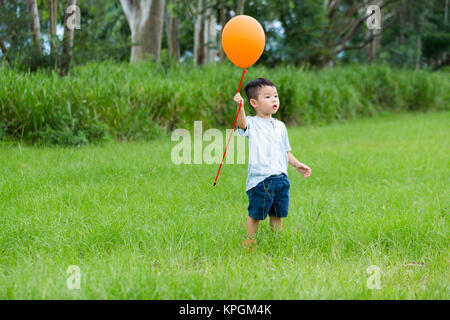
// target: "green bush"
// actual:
[[142, 101]]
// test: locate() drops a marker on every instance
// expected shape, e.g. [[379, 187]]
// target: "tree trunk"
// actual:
[[419, 40], [199, 34], [223, 21], [241, 7], [446, 12], [402, 27], [173, 41], [35, 25], [444, 54], [53, 12], [211, 34], [418, 51], [205, 33], [2, 44], [146, 20], [4, 51], [67, 43], [155, 28], [373, 44]]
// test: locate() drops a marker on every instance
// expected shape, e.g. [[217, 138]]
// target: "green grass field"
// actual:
[[140, 227]]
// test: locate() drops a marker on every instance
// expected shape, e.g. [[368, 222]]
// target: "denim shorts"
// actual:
[[270, 196]]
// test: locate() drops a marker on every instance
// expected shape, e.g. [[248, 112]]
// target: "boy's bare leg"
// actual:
[[252, 226], [276, 223]]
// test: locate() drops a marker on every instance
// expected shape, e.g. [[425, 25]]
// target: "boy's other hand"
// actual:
[[238, 98], [303, 169]]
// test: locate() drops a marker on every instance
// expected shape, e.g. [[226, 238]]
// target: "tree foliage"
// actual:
[[415, 34]]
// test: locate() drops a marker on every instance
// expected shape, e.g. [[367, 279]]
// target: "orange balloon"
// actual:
[[243, 40]]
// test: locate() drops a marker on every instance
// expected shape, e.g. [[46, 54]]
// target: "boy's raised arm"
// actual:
[[241, 120]]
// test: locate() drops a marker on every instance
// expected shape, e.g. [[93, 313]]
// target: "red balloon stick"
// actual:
[[234, 124]]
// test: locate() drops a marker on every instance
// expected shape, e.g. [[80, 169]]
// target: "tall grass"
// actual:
[[145, 100]]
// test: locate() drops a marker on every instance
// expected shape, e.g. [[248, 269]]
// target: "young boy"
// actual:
[[267, 183]]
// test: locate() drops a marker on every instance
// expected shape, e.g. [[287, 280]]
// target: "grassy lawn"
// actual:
[[140, 227]]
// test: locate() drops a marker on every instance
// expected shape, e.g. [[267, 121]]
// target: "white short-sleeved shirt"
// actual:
[[268, 146]]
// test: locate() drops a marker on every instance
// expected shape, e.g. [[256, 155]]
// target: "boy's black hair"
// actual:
[[252, 88]]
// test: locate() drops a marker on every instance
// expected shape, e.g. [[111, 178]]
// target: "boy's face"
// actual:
[[267, 102]]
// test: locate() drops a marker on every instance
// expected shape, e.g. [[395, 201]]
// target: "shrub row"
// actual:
[[145, 100]]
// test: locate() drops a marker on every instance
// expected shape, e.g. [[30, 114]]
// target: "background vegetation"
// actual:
[[145, 100], [74, 86]]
